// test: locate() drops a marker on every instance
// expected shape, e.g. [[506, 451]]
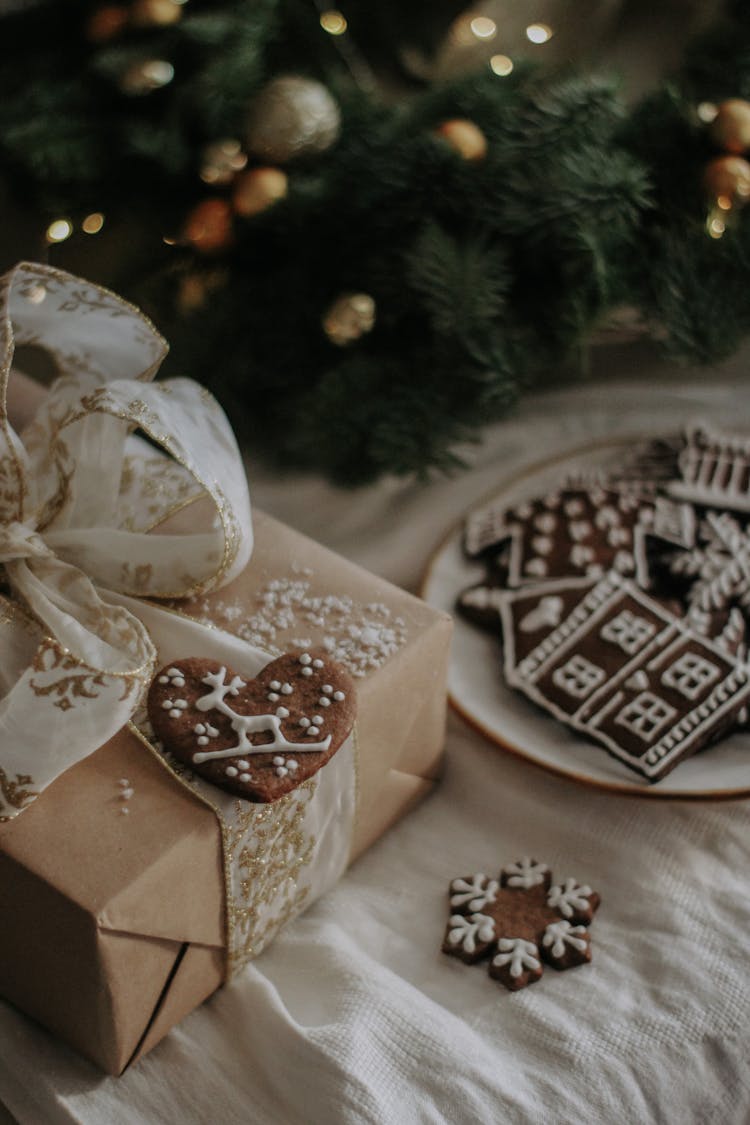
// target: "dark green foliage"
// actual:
[[488, 276]]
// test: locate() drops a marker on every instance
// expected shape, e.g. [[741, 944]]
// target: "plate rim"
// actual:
[[625, 788]]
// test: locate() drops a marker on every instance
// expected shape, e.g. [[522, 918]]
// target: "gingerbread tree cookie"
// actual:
[[520, 920]]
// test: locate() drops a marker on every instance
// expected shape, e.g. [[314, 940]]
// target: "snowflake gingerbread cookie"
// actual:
[[718, 566], [520, 920]]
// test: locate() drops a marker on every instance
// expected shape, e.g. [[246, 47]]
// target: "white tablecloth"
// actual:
[[353, 1015]]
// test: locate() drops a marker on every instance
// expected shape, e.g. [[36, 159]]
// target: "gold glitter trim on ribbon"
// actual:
[[15, 793], [265, 850]]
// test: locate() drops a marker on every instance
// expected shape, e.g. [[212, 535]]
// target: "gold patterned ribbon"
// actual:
[[78, 493]]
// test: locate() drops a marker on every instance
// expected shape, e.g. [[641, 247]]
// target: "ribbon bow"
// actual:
[[80, 495]]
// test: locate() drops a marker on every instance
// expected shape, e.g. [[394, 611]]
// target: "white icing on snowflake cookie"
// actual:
[[518, 921]]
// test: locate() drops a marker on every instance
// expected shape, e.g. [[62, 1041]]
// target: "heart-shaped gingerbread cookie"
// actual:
[[258, 738]]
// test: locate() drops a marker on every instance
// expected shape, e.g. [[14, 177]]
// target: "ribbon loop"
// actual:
[[19, 541], [80, 493]]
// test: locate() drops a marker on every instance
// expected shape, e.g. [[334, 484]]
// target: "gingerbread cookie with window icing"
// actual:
[[259, 737], [621, 667], [520, 920]]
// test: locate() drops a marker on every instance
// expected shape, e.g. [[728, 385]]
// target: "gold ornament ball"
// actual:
[[155, 13], [464, 137], [351, 316], [727, 181], [195, 289], [292, 117], [221, 160], [208, 227], [257, 190], [144, 77], [730, 129], [105, 23]]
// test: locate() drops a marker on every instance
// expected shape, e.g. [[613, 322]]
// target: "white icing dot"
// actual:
[[313, 730], [338, 696], [167, 705], [231, 771], [281, 771], [326, 689], [200, 729], [245, 777], [307, 671], [124, 811], [542, 544], [126, 794], [317, 663], [304, 722], [243, 764], [275, 685], [286, 689], [175, 713], [305, 658], [163, 679], [274, 696], [282, 713], [203, 741], [278, 761], [292, 764], [318, 719], [123, 781], [174, 672], [179, 682], [545, 522], [324, 701]]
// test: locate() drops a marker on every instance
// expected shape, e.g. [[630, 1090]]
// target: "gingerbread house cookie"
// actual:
[[584, 532], [618, 665]]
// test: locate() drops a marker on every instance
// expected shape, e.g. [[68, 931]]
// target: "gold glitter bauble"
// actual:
[[292, 117], [465, 138], [221, 160], [208, 227], [105, 23], [144, 77], [195, 289], [727, 181], [730, 129], [351, 316], [257, 190], [155, 13]]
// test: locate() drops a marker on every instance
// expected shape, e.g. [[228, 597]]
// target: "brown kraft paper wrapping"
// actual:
[[100, 942]]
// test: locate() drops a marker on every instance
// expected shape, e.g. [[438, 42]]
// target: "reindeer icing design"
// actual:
[[244, 725]]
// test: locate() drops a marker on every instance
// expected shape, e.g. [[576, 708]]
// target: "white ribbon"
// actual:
[[78, 494]]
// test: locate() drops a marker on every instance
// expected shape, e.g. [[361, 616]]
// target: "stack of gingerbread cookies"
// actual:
[[623, 599]]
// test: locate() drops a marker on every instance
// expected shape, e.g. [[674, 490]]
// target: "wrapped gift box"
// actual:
[[113, 926]]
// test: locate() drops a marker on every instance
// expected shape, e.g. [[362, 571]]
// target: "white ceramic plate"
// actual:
[[478, 691]]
